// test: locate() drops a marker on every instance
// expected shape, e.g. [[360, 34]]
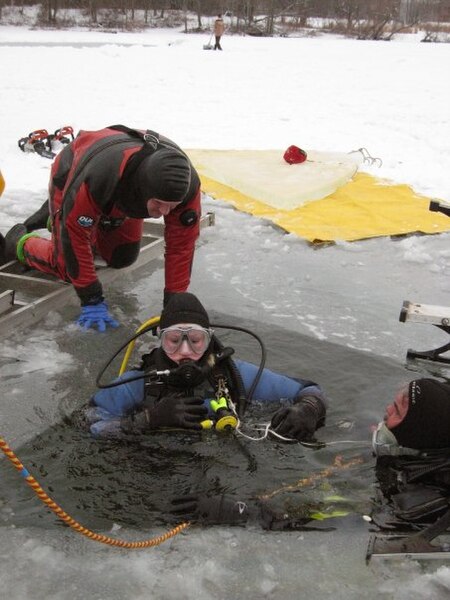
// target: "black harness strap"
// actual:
[[149, 137]]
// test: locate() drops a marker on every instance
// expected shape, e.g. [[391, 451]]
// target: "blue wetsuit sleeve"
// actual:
[[121, 399], [273, 387]]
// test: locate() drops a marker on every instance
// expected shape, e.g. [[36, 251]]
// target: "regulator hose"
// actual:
[[129, 344], [262, 362], [151, 324]]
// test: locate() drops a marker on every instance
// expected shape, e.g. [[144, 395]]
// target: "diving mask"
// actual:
[[198, 339]]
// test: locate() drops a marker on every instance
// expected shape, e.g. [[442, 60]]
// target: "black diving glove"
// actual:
[[174, 410], [300, 420], [211, 510], [272, 519]]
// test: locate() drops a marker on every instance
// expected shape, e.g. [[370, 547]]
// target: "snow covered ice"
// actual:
[[324, 93]]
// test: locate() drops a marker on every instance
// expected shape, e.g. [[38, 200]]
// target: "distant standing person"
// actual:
[[219, 28]]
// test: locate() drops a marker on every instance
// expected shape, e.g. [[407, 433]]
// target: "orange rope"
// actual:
[[338, 464], [104, 539]]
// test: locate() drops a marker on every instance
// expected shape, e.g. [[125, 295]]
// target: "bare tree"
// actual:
[[383, 21], [367, 19], [199, 8], [270, 17], [52, 9], [436, 14], [350, 10], [93, 7]]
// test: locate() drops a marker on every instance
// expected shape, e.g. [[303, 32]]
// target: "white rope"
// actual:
[[266, 428]]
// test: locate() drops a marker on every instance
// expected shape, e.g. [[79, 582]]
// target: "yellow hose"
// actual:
[[129, 350], [104, 539]]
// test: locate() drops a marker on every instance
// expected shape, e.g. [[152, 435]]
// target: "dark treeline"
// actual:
[[374, 19]]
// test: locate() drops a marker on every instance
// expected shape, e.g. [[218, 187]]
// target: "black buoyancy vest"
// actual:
[[205, 386], [430, 469], [417, 488]]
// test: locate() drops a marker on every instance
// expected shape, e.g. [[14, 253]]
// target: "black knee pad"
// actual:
[[124, 255]]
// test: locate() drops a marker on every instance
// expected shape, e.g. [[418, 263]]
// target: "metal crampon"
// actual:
[[368, 159]]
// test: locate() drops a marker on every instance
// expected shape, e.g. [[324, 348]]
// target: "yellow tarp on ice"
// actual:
[[364, 207]]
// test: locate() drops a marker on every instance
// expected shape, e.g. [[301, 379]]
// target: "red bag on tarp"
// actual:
[[294, 155]]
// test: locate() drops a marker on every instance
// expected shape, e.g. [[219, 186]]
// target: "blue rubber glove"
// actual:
[[96, 315]]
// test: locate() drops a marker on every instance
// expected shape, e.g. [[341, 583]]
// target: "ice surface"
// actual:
[[326, 93]]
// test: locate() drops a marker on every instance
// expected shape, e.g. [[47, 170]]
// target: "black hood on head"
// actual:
[[164, 174], [426, 425], [184, 308]]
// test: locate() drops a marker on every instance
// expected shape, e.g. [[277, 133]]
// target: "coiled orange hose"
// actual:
[[104, 539]]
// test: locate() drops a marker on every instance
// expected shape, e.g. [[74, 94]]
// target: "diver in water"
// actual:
[[190, 382], [412, 446]]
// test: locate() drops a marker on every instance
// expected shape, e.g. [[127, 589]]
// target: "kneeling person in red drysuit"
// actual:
[[102, 186]]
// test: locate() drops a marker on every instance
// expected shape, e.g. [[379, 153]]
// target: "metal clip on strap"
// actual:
[[151, 138]]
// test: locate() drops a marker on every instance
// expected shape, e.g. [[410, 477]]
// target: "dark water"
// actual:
[[132, 482]]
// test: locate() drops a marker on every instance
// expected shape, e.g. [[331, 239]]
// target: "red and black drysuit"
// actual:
[[92, 207]]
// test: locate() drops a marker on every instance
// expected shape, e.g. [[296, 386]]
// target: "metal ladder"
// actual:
[[439, 316], [28, 296]]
